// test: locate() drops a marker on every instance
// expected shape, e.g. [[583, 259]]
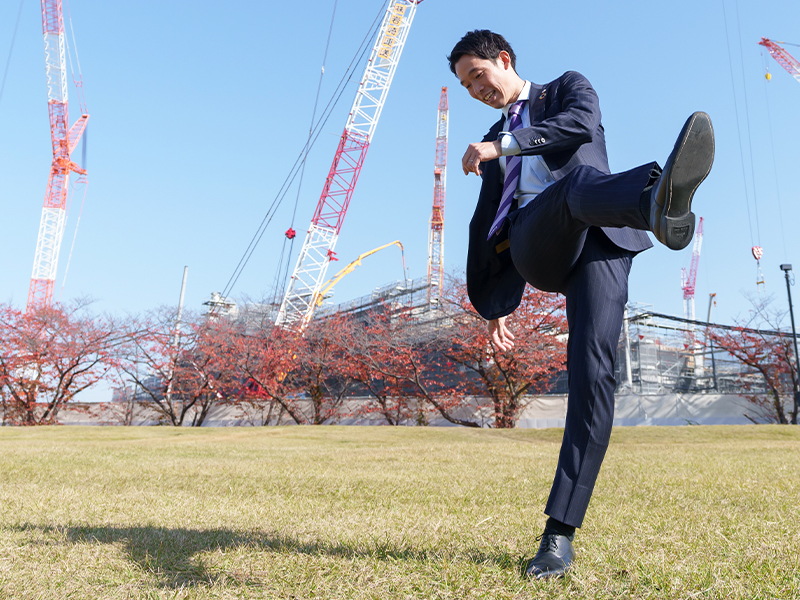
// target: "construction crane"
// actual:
[[436, 234], [318, 249], [694, 361], [688, 279], [65, 140], [352, 266], [784, 59], [792, 65]]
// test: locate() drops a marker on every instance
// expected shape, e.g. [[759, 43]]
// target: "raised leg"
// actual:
[[547, 235]]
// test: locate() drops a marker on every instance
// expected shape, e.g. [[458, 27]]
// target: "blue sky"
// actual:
[[199, 109]]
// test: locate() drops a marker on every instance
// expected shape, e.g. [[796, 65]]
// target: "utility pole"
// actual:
[[786, 268], [626, 334], [180, 306], [711, 341]]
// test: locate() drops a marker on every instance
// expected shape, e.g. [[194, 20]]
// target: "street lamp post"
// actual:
[[786, 268]]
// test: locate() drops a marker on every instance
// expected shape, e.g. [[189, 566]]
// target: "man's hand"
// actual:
[[478, 153], [502, 338]]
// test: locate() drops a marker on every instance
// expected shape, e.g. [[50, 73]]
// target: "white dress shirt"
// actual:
[[535, 175]]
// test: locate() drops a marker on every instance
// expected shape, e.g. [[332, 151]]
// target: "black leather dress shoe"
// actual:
[[671, 217], [554, 557]]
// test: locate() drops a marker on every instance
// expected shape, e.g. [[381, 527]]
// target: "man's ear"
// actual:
[[504, 59]]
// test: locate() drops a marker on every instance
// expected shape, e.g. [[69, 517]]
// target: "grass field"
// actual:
[[362, 512]]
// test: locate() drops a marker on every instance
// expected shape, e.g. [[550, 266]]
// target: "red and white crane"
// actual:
[[784, 59], [65, 140], [318, 249], [688, 286], [688, 280], [436, 234]]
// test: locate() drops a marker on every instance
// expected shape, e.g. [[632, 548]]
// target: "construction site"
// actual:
[[668, 370]]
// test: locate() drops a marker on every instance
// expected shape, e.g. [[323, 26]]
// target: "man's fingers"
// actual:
[[501, 336], [465, 162], [471, 163], [506, 337], [496, 336], [502, 342]]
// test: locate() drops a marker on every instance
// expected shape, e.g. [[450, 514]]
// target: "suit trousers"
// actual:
[[557, 245]]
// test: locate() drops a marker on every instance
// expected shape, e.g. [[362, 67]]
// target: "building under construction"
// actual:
[[657, 353]]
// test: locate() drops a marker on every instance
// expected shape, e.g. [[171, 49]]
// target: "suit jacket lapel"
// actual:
[[536, 102]]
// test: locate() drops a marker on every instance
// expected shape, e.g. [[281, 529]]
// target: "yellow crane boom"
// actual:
[[351, 267]]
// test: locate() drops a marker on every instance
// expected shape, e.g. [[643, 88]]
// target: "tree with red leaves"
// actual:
[[306, 374], [451, 367], [322, 369], [49, 355], [383, 361], [181, 370], [263, 358], [396, 358], [771, 358], [504, 378]]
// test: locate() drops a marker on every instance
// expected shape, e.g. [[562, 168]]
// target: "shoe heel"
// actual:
[[678, 231]]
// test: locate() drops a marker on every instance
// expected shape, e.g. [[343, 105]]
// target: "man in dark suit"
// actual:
[[551, 214]]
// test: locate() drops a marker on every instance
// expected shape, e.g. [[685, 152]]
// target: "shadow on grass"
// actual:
[[173, 556]]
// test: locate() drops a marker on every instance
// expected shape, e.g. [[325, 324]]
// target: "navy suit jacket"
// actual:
[[566, 131]]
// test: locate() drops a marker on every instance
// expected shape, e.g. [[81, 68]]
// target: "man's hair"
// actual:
[[483, 44]]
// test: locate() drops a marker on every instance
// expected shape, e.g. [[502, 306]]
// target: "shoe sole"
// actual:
[[694, 156]]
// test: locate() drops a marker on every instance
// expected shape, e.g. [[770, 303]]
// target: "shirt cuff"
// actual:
[[508, 144]]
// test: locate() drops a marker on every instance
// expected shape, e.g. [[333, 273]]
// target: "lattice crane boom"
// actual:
[[64, 140], [688, 280], [436, 233], [783, 58], [318, 248]]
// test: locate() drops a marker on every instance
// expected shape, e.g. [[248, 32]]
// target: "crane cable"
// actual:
[[82, 178], [738, 129], [283, 190], [79, 80], [11, 50], [774, 160], [747, 120], [280, 280], [85, 182]]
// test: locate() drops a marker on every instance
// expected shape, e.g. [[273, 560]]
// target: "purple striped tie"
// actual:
[[513, 170]]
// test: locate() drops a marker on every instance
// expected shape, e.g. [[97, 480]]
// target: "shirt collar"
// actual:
[[523, 95]]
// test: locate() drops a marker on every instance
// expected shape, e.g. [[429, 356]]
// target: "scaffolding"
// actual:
[[657, 354], [661, 354], [408, 297]]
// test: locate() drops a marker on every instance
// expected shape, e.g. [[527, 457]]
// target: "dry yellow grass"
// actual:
[[360, 512]]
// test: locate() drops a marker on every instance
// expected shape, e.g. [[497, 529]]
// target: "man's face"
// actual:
[[492, 82]]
